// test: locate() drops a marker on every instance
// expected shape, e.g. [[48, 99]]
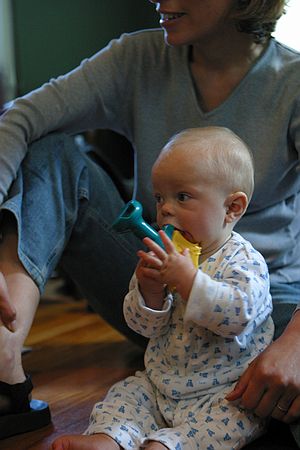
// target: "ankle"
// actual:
[[108, 442], [11, 370], [97, 441], [154, 445]]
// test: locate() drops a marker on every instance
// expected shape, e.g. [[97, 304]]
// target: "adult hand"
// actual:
[[7, 312], [271, 384]]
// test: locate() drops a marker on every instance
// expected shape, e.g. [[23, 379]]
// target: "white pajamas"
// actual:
[[196, 352]]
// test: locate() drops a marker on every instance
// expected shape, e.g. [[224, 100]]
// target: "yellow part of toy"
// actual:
[[181, 243]]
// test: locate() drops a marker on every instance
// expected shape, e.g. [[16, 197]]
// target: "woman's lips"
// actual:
[[168, 18]]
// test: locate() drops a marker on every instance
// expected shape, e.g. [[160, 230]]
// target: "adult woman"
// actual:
[[218, 59]]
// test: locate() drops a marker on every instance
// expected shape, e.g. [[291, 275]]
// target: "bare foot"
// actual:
[[80, 442], [152, 445]]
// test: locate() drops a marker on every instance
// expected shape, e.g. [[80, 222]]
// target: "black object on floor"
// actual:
[[26, 415], [278, 437]]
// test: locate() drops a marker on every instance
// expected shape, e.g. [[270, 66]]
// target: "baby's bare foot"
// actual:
[[80, 442], [153, 445]]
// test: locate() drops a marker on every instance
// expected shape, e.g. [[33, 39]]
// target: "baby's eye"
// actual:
[[158, 198], [183, 197]]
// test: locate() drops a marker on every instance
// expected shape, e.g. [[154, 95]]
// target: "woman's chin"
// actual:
[[174, 39]]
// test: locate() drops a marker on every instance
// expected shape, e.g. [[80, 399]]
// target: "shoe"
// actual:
[[26, 415]]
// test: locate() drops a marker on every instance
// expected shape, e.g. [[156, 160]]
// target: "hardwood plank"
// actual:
[[75, 358]]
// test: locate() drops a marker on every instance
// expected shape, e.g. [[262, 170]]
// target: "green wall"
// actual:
[[53, 36]]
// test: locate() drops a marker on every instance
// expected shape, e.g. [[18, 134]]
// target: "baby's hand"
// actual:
[[176, 269], [150, 284]]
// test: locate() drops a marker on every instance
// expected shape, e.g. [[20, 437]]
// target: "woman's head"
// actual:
[[258, 17], [190, 21]]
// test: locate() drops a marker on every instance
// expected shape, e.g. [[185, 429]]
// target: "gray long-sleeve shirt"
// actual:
[[143, 89]]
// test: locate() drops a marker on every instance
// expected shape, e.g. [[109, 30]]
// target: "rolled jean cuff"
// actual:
[[45, 199]]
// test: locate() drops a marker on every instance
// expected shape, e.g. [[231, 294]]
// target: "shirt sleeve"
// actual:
[[234, 298], [86, 98], [143, 320], [294, 129]]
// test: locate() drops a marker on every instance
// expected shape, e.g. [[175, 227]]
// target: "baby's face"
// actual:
[[189, 201]]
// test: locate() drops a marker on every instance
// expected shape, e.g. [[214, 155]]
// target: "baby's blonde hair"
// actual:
[[226, 157]]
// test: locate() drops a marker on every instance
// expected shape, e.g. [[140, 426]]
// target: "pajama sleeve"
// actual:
[[143, 320], [233, 298]]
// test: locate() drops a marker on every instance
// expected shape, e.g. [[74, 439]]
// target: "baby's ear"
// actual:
[[236, 204]]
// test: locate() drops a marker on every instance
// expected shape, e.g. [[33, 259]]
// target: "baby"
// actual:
[[205, 323]]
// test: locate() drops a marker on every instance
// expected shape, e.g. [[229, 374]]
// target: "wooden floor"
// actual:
[[75, 358]]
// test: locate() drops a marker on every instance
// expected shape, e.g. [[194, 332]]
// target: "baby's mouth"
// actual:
[[184, 233], [187, 235]]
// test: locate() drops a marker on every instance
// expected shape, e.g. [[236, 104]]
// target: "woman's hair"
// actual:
[[258, 17]]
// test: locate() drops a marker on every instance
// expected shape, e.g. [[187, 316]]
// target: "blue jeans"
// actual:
[[286, 296], [64, 205]]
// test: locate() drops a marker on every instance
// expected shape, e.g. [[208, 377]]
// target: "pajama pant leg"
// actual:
[[128, 413], [209, 423]]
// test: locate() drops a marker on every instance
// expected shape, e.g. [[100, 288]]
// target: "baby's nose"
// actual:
[[167, 209]]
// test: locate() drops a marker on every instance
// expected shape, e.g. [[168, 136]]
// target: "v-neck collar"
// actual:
[[235, 91]]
